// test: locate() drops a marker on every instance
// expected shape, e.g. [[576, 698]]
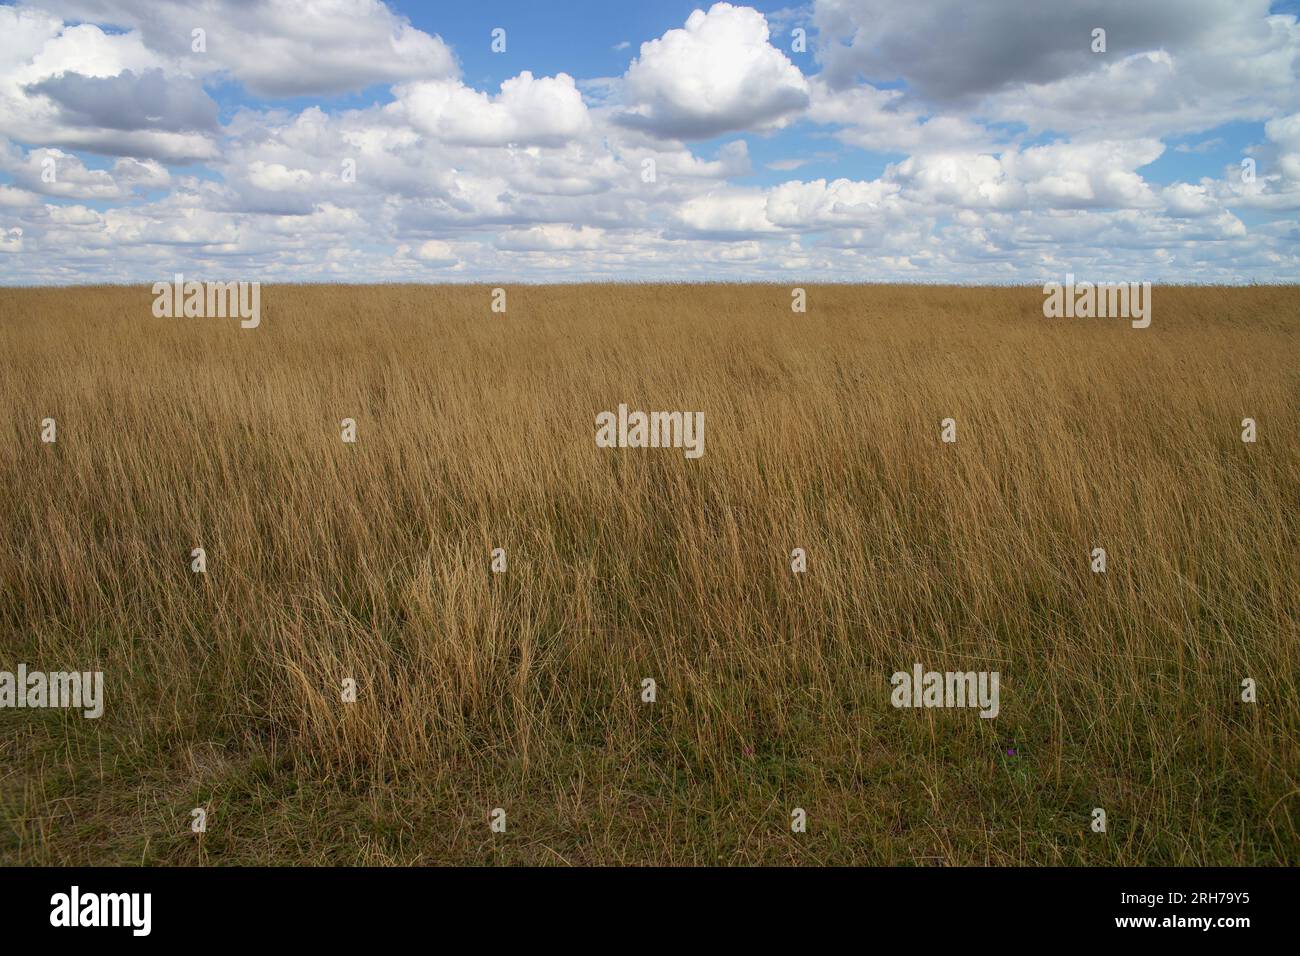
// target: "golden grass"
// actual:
[[476, 431]]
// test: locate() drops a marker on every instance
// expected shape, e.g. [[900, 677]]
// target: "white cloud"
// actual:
[[279, 47], [275, 177], [432, 252], [82, 88], [552, 177], [545, 110], [716, 75], [1276, 182], [819, 204], [878, 119], [552, 236], [57, 173], [727, 211]]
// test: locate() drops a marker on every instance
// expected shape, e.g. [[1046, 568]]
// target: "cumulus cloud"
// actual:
[[1060, 176], [279, 47], [1168, 64], [841, 202], [879, 119], [80, 87], [716, 75], [57, 173], [545, 110], [432, 252], [956, 156], [727, 212], [952, 50], [1184, 199], [1274, 179], [130, 101], [552, 236]]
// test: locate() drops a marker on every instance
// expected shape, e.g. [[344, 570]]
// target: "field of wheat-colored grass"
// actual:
[[521, 690]]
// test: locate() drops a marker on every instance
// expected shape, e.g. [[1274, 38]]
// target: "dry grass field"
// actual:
[[521, 690]]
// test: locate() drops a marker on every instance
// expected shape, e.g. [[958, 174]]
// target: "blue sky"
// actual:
[[931, 141]]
